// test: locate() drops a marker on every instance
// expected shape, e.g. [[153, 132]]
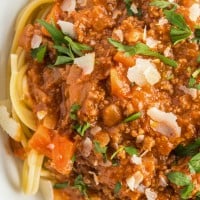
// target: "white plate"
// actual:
[[10, 171]]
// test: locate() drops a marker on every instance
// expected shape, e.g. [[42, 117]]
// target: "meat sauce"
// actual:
[[107, 97]]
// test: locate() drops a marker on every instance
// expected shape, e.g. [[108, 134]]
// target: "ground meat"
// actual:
[[107, 97]]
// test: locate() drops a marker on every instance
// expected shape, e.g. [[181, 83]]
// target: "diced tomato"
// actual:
[[126, 61], [41, 140], [119, 83], [62, 154], [53, 16], [56, 147]]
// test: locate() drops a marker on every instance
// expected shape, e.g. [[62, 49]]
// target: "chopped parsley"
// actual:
[[179, 30], [194, 163], [181, 179], [178, 178], [117, 188], [186, 191], [188, 150], [160, 4], [100, 149], [192, 83], [197, 34], [80, 185], [61, 185], [141, 49], [81, 128], [129, 149], [67, 49], [133, 117], [39, 53], [73, 111]]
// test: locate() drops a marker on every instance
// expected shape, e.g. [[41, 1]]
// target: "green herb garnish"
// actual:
[[39, 53], [188, 150], [81, 128], [63, 60], [198, 58], [141, 49], [117, 188], [160, 4], [186, 191], [61, 185], [80, 185], [197, 34], [192, 80], [57, 35], [131, 150], [67, 49], [73, 158], [73, 111], [178, 178], [194, 163], [133, 117], [99, 149]]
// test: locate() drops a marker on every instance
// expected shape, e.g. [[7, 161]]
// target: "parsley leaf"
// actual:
[[198, 196], [61, 185], [198, 58], [73, 111], [76, 47], [63, 60], [131, 150], [186, 191], [64, 50], [99, 149], [141, 49], [82, 128], [160, 3], [179, 30], [80, 185], [133, 117], [116, 152], [57, 35], [39, 53], [117, 188], [178, 178], [188, 150], [194, 163], [197, 34]]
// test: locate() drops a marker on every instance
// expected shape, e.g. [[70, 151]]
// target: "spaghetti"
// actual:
[[105, 98]]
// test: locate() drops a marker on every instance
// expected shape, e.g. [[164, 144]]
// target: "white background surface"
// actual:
[[9, 170]]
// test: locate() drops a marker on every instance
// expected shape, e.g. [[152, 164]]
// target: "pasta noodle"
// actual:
[[101, 108]]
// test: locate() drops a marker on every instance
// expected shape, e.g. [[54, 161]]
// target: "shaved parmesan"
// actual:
[[162, 21], [194, 12], [9, 125], [134, 8], [86, 63], [151, 42], [150, 194], [191, 91], [134, 181], [67, 28], [168, 52], [68, 5], [136, 160], [164, 123], [36, 41], [143, 73], [87, 147], [119, 34]]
